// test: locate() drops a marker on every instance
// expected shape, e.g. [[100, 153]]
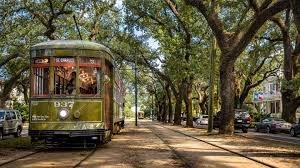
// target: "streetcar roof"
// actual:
[[74, 45]]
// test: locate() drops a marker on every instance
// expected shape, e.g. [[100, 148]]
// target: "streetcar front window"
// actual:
[[89, 78], [64, 76], [40, 77], [64, 80]]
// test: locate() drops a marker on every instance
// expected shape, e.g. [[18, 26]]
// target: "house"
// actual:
[[268, 100]]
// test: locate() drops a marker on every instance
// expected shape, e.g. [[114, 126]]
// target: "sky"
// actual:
[[153, 44]]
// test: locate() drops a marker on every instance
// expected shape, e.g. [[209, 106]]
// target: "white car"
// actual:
[[202, 120]]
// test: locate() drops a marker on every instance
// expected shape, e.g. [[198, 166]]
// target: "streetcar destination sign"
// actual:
[[64, 60]]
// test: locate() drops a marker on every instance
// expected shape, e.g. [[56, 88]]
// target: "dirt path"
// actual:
[[51, 158], [152, 144], [278, 154], [134, 147]]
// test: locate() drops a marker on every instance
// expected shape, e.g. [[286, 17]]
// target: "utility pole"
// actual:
[[211, 85], [136, 91]]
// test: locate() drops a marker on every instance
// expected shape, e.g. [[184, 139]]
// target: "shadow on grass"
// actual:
[[18, 143]]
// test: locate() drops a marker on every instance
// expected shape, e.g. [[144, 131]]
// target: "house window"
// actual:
[[277, 106], [272, 88], [273, 108]]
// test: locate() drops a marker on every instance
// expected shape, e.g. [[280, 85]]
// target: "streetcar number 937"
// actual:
[[64, 104]]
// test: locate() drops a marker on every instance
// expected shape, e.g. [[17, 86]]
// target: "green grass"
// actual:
[[19, 143]]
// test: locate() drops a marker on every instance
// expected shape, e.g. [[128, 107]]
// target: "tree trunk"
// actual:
[[25, 93], [188, 104], [227, 95], [178, 108], [164, 112], [3, 99], [159, 114], [202, 107], [288, 104], [289, 107], [244, 93], [170, 110]]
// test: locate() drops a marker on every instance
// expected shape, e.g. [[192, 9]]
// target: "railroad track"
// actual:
[[220, 147], [39, 151], [21, 157], [85, 158], [176, 154]]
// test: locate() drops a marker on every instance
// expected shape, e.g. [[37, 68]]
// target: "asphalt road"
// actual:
[[280, 137]]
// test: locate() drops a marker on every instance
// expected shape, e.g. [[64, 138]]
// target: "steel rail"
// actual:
[[228, 150], [85, 158], [19, 158], [175, 153]]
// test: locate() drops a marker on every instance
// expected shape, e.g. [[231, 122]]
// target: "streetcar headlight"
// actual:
[[63, 114]]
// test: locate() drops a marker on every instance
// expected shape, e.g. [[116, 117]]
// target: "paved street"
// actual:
[[281, 137]]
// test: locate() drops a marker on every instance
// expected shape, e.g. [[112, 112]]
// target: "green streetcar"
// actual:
[[76, 93]]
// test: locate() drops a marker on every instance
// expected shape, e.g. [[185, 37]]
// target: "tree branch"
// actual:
[[244, 37], [51, 7], [10, 57], [172, 6], [213, 21], [254, 5]]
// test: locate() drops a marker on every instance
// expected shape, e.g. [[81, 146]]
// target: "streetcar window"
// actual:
[[64, 76], [40, 81], [89, 78], [64, 80]]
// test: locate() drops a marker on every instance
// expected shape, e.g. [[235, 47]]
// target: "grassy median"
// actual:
[[20, 143]]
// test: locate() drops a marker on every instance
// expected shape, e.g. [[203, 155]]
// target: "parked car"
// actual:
[[273, 125], [242, 120], [202, 120], [295, 130], [10, 123]]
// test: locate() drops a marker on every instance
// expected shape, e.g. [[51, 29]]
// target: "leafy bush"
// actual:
[[23, 108], [255, 115]]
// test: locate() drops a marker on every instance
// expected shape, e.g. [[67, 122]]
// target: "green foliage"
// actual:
[[23, 108], [291, 86], [19, 143]]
